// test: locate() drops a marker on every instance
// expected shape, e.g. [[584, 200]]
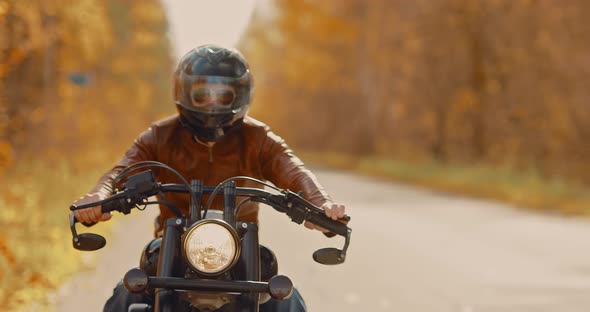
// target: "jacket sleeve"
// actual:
[[143, 148], [281, 167]]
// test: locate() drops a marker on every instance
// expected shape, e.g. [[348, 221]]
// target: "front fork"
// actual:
[[168, 259], [250, 262]]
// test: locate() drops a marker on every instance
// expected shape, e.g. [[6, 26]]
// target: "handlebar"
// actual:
[[292, 204]]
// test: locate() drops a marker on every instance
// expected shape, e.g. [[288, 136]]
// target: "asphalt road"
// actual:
[[411, 250]]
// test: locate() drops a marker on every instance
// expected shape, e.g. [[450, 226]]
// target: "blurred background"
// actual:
[[478, 98]]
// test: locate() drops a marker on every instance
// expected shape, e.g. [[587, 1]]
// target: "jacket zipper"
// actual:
[[210, 150], [210, 147], [209, 164]]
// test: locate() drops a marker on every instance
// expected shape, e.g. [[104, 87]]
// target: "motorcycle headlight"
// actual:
[[211, 246]]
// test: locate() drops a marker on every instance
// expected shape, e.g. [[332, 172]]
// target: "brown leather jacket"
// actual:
[[252, 150]]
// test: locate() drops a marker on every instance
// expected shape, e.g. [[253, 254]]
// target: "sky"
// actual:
[[197, 22]]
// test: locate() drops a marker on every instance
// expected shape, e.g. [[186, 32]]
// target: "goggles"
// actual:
[[221, 96]]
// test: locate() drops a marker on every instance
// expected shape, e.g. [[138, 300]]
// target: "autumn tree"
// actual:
[[78, 81], [493, 82]]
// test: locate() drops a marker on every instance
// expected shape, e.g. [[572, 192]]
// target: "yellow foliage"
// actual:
[[43, 199], [496, 81], [66, 117], [4, 8], [146, 40], [6, 156], [493, 87], [149, 12], [16, 55], [4, 68], [89, 22], [466, 100]]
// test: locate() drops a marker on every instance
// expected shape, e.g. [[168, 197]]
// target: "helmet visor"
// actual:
[[212, 97], [211, 94]]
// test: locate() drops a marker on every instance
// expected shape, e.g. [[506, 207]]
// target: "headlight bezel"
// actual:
[[236, 240]]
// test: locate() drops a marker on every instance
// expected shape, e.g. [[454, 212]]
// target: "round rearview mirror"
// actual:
[[89, 242], [329, 256]]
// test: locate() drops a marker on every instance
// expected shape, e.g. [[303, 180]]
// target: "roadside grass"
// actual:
[[36, 253], [523, 189]]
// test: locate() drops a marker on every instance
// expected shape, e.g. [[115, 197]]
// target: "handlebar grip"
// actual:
[[118, 204], [114, 203], [101, 203], [315, 208], [329, 224]]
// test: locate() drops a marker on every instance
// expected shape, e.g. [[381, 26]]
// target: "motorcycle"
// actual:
[[207, 261]]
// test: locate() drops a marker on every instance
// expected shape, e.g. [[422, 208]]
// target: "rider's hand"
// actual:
[[333, 211], [93, 214]]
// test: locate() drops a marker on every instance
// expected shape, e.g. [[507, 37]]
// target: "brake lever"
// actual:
[[297, 199], [74, 207], [301, 210]]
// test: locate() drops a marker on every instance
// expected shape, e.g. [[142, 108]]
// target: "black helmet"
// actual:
[[213, 88]]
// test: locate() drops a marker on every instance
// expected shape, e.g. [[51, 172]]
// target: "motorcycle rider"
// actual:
[[212, 138]]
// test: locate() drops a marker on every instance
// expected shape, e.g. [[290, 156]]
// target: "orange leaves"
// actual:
[[53, 126], [15, 57], [7, 261], [149, 12], [497, 81], [85, 27], [7, 254], [38, 279], [147, 40], [4, 8], [61, 37], [466, 100], [57, 134], [6, 156]]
